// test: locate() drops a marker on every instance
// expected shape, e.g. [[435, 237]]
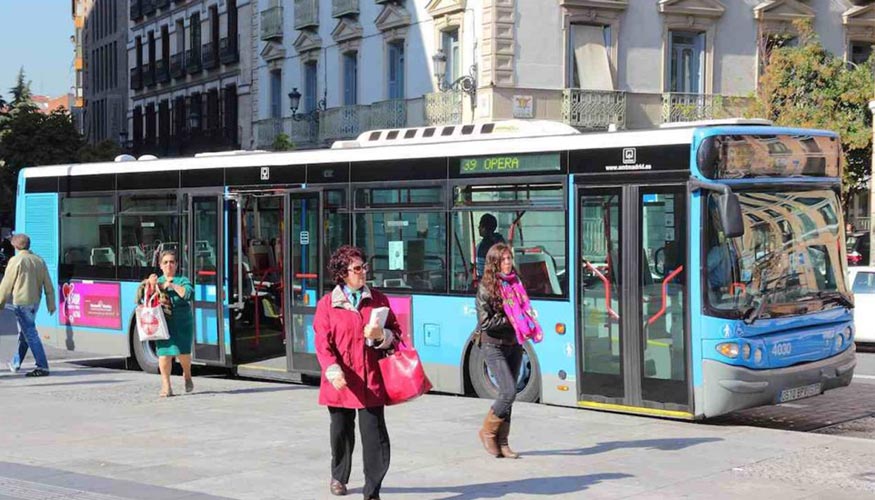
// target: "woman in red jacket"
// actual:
[[348, 349]]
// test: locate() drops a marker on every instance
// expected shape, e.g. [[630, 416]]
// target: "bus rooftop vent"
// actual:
[[452, 133], [718, 122]]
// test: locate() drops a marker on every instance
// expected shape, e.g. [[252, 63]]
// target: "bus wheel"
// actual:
[[528, 382], [144, 354]]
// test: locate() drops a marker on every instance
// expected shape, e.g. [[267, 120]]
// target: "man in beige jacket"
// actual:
[[26, 279]]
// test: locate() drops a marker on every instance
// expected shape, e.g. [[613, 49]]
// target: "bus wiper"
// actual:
[[753, 313], [834, 296]]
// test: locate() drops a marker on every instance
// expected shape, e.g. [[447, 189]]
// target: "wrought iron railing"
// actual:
[[210, 55], [594, 109], [679, 107], [136, 78], [306, 14], [344, 122], [228, 50], [387, 114], [272, 23], [136, 10], [344, 7], [148, 7], [193, 61], [162, 71], [148, 75], [177, 65], [442, 108], [301, 133]]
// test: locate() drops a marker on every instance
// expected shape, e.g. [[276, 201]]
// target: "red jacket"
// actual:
[[340, 340]]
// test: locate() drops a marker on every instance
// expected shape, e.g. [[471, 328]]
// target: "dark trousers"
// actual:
[[504, 362], [375, 446]]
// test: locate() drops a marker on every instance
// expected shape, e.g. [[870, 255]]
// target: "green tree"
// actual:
[[22, 98], [31, 139], [807, 86], [283, 142], [102, 151]]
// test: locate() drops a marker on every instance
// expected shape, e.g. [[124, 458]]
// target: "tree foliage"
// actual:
[[22, 98], [807, 86], [102, 151]]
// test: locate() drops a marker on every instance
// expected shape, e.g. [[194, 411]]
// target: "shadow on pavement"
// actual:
[[81, 382], [249, 390], [562, 485], [651, 444]]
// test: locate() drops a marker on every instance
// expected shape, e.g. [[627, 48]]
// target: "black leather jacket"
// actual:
[[493, 326]]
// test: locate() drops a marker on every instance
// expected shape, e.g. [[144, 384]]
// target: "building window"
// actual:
[[195, 33], [686, 52], [450, 45], [276, 94], [180, 36], [396, 70], [350, 78], [310, 83], [589, 65], [859, 52], [771, 41]]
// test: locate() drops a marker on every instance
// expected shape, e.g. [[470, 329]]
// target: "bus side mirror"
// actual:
[[729, 210]]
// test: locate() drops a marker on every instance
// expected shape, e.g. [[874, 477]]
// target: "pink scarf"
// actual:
[[519, 310]]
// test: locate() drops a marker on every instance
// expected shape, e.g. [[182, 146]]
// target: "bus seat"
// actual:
[[538, 271], [102, 256], [75, 255], [133, 256], [259, 255]]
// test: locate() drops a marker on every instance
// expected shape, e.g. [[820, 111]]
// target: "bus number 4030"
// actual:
[[782, 349]]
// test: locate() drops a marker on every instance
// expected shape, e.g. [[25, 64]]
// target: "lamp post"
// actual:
[[312, 115], [123, 139], [465, 83]]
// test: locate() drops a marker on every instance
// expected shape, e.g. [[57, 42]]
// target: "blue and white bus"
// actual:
[[682, 272]]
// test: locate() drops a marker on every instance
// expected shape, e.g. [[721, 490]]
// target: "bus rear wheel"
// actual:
[[144, 354], [528, 382]]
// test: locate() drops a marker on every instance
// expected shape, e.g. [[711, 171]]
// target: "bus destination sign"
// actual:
[[486, 165]]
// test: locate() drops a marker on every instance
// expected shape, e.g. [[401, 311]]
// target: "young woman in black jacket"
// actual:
[[500, 347]]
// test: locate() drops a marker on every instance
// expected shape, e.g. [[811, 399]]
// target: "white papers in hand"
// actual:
[[379, 316]]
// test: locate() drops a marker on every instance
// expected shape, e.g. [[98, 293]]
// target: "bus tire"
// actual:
[[144, 354], [529, 384]]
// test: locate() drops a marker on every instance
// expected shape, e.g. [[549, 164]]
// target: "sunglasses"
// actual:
[[358, 269]]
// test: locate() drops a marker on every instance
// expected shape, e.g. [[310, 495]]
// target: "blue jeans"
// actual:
[[28, 337]]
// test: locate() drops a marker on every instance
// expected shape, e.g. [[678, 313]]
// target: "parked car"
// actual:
[[862, 279], [858, 248]]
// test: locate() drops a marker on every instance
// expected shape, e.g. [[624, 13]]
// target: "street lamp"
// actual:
[[465, 83], [123, 139], [312, 115]]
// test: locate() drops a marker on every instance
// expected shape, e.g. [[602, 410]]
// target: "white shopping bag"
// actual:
[[151, 324]]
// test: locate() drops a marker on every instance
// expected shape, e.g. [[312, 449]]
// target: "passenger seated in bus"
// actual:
[[721, 266], [486, 229]]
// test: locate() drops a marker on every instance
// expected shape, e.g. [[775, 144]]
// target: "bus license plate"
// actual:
[[800, 392]]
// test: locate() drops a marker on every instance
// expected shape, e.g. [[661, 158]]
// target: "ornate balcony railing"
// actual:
[[341, 8], [177, 65], [387, 114], [442, 108], [272, 23], [162, 71], [162, 4], [301, 133], [344, 122], [228, 52], [193, 61], [680, 107], [306, 14], [136, 78], [136, 10], [148, 7], [594, 109], [210, 55], [148, 75]]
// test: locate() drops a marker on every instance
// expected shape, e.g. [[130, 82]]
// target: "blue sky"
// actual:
[[36, 34]]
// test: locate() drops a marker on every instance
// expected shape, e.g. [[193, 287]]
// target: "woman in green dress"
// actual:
[[176, 295]]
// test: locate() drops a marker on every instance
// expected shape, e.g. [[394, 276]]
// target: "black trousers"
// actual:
[[504, 361], [375, 446]]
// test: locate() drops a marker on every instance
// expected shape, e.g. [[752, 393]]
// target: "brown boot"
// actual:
[[503, 432], [489, 433]]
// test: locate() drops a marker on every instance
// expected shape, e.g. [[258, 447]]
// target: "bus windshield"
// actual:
[[787, 263]]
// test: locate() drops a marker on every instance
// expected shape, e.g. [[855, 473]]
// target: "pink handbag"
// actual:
[[403, 376]]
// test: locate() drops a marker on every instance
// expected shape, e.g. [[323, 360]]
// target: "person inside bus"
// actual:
[[721, 263], [348, 352], [176, 294], [504, 321], [486, 229]]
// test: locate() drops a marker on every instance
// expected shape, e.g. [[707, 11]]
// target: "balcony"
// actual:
[[162, 71], [228, 52], [148, 7], [594, 109], [210, 55], [136, 78], [162, 4], [193, 61], [347, 122], [680, 107], [306, 14], [148, 75], [177, 65], [442, 108], [272, 23], [301, 133], [340, 8], [136, 10]]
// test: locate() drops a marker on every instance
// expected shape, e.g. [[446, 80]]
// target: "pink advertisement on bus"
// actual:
[[85, 303]]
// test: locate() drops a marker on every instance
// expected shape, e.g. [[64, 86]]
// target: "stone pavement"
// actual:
[[93, 433]]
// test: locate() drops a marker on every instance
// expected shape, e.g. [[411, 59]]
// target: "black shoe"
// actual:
[[337, 488], [39, 372]]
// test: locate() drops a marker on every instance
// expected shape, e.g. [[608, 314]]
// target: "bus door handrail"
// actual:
[[665, 281], [607, 284]]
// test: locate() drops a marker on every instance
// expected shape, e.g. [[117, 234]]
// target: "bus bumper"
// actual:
[[728, 388]]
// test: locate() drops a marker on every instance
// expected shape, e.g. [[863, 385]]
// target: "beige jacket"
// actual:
[[26, 278]]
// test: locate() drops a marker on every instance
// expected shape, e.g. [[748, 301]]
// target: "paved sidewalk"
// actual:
[[91, 433]]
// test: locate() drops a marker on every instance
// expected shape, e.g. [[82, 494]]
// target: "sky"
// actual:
[[36, 34]]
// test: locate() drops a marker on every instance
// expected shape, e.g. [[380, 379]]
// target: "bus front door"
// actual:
[[305, 270], [633, 332]]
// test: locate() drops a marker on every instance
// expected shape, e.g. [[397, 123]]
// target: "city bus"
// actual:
[[682, 272]]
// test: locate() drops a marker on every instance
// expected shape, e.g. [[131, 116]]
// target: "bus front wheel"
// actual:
[[528, 382], [144, 354]]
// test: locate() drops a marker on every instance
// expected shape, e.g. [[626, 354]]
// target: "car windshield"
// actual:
[[788, 262]]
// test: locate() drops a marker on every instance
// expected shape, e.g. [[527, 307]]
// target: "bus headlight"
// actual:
[[840, 340], [745, 351], [758, 356], [849, 334], [728, 349]]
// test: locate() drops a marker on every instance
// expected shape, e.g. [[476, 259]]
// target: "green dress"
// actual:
[[180, 323]]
